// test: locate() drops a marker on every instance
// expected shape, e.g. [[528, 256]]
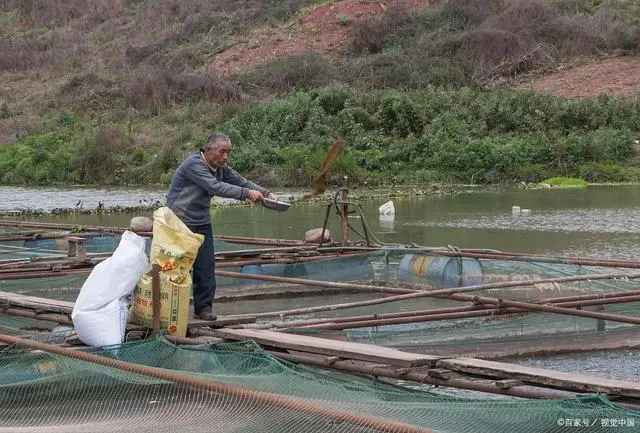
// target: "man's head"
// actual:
[[216, 149]]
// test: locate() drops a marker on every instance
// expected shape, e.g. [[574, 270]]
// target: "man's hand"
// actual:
[[273, 197], [254, 196]]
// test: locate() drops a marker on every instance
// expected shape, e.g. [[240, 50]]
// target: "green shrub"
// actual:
[[332, 99], [399, 115], [464, 135], [39, 160], [606, 172]]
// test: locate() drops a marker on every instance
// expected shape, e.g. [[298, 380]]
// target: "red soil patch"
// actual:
[[327, 28], [619, 77]]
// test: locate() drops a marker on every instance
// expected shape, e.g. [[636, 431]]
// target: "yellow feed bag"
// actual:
[[174, 248]]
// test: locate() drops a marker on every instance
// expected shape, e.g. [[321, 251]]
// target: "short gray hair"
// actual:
[[213, 138]]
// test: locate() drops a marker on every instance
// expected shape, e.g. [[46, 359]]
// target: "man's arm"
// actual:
[[199, 174], [231, 176]]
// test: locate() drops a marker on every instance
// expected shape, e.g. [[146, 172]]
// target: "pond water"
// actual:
[[598, 221]]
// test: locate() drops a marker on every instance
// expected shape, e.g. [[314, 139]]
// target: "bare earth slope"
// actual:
[[617, 76], [327, 28], [98, 71]]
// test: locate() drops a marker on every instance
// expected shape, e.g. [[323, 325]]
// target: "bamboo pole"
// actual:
[[470, 253], [412, 375], [90, 259], [412, 319], [60, 226], [25, 269], [254, 397], [33, 272], [259, 241], [478, 312], [574, 301], [91, 228], [553, 309], [14, 263], [416, 292], [590, 296], [312, 322], [155, 299], [407, 293], [421, 288], [259, 261], [499, 255], [259, 251], [36, 237], [49, 317], [45, 274], [339, 323]]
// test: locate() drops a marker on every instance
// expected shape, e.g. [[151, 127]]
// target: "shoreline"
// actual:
[[357, 192]]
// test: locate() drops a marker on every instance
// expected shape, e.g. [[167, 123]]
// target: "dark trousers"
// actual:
[[204, 279]]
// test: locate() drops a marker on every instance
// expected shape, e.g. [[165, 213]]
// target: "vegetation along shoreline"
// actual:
[[421, 92]]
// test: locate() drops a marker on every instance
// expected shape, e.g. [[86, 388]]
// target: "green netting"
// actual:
[[41, 392], [446, 336], [65, 288], [83, 397], [17, 251], [99, 243], [390, 266]]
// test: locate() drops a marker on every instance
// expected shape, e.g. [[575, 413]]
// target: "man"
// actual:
[[201, 176]]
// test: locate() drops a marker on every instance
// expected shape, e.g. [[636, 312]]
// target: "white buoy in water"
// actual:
[[525, 211], [387, 209], [515, 210]]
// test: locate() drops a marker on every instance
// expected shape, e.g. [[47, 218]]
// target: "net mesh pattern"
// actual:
[[391, 267], [43, 392]]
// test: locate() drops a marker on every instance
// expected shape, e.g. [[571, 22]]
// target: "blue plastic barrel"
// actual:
[[441, 270]]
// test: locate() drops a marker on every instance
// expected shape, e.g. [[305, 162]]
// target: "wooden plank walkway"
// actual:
[[41, 305], [343, 349], [508, 348], [372, 353], [556, 379], [477, 367], [44, 305]]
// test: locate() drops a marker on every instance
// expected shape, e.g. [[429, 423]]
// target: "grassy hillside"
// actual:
[[119, 91]]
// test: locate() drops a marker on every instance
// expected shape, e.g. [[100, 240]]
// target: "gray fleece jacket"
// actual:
[[193, 185]]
